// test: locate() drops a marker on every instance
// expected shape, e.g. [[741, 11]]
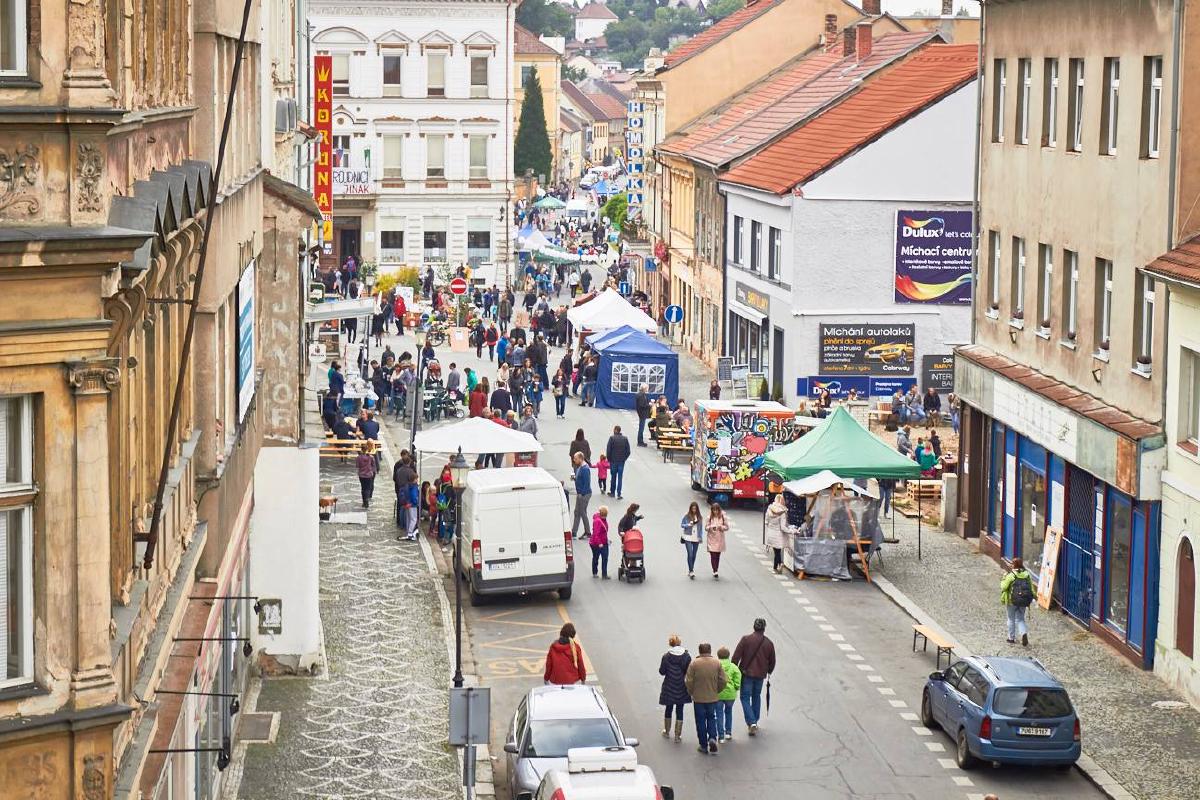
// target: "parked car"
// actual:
[[548, 722], [600, 773], [1003, 710]]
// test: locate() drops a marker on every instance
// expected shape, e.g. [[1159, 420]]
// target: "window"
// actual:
[[1018, 278], [1104, 288], [391, 74], [1024, 90], [974, 686], [1070, 293], [738, 227], [755, 245], [1152, 106], [393, 156], [994, 270], [1050, 103], [1031, 515], [1119, 543], [479, 164], [391, 245], [435, 156], [1144, 321], [479, 76], [341, 150], [1031, 703], [628, 377], [479, 245], [999, 88], [435, 245], [1108, 115], [16, 540], [775, 257], [436, 77], [13, 36], [341, 74], [1189, 396], [1075, 105], [1045, 284], [526, 71]]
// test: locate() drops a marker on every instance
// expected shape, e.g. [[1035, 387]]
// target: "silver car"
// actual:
[[551, 720]]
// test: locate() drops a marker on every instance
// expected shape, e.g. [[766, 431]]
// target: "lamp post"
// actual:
[[418, 337], [458, 474]]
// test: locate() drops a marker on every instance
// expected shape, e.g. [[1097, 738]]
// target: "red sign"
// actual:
[[458, 286], [323, 168]]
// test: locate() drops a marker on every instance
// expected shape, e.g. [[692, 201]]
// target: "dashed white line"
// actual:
[[854, 656], [962, 780], [837, 637], [875, 678], [847, 647], [920, 730], [865, 667], [901, 704], [935, 747], [887, 691], [908, 716], [811, 609], [947, 763], [826, 627], [795, 591], [818, 619]]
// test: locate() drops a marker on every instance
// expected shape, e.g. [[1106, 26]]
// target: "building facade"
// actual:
[[422, 130]]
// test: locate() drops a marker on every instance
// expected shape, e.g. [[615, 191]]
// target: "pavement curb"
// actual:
[[1096, 775]]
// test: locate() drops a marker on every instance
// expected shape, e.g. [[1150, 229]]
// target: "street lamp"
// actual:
[[459, 468], [419, 335]]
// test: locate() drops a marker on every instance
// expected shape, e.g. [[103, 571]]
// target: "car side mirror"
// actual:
[[937, 676], [511, 747], [667, 792], [631, 741]]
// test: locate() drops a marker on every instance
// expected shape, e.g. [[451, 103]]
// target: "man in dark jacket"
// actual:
[[642, 403], [583, 495], [932, 403], [755, 656], [617, 451], [501, 400], [403, 477]]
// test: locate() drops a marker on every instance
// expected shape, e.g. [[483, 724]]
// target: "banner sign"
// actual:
[[245, 340], [323, 119], [351, 181], [933, 257], [634, 152], [839, 386], [886, 387], [938, 372], [868, 349]]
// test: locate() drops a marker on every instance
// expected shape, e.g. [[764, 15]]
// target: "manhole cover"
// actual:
[[256, 727], [1169, 704]]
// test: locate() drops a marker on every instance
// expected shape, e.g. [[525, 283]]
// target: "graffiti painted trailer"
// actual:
[[732, 439]]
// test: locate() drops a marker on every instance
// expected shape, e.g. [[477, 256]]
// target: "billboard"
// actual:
[[868, 349], [839, 386], [933, 257], [323, 120], [938, 372], [245, 340]]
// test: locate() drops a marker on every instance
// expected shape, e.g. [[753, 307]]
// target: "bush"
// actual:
[[408, 276], [385, 282]]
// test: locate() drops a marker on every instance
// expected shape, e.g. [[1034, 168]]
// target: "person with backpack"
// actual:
[[1016, 594]]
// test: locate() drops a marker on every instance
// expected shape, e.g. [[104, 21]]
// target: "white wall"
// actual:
[[591, 28], [285, 551]]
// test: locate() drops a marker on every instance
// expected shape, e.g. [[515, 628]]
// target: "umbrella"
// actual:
[[549, 202], [475, 435]]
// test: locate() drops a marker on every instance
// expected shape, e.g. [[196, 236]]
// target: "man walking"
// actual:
[[755, 656], [705, 679], [583, 495], [617, 451], [1017, 593], [642, 404]]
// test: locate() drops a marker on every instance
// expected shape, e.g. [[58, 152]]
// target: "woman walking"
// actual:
[[367, 469], [692, 523], [580, 445], [714, 531], [564, 659], [562, 385], [630, 520], [599, 542], [674, 693], [777, 526]]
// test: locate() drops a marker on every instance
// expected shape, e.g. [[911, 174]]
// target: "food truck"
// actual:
[[732, 437]]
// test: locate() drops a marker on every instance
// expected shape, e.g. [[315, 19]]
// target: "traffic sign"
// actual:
[[623, 287], [458, 286], [673, 314]]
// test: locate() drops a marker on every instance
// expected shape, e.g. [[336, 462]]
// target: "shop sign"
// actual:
[[839, 386], [352, 181], [938, 372], [245, 340], [886, 387], [868, 349], [933, 257], [749, 297], [323, 120]]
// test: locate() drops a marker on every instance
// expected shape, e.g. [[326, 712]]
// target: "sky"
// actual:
[[934, 6]]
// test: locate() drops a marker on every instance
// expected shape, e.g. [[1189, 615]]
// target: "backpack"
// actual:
[[1021, 593]]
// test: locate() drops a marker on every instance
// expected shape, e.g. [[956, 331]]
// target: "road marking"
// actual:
[[587, 661], [935, 747], [887, 691], [865, 667], [846, 647], [795, 591], [901, 704], [801, 600], [854, 656], [875, 678], [811, 609], [826, 627], [837, 637], [818, 619], [947, 763], [921, 731], [908, 716], [962, 780]]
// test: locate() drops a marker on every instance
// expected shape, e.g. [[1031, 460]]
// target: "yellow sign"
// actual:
[[327, 230]]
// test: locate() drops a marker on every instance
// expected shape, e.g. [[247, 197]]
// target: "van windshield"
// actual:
[[1031, 703], [552, 738]]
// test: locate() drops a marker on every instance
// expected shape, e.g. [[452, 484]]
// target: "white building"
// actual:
[[422, 126], [815, 224], [592, 21]]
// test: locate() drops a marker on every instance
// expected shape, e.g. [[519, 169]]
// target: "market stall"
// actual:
[[627, 361], [606, 311], [829, 518]]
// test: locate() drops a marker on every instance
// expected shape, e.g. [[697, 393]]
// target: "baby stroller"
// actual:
[[632, 566]]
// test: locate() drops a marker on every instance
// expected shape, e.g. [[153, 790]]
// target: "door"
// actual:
[[777, 361], [544, 519], [348, 244], [943, 694], [500, 542], [1185, 600], [1077, 546]]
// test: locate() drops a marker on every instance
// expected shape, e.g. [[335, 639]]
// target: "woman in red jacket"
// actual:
[[564, 661], [477, 401]]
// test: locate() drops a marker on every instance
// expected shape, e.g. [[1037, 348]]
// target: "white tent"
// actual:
[[815, 484], [609, 310], [475, 435], [536, 240]]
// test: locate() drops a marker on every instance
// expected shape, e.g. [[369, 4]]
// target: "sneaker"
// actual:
[[716, 577], [605, 578], [753, 729], [692, 575], [702, 749], [594, 575], [1011, 641], [1025, 640], [712, 746], [729, 737]]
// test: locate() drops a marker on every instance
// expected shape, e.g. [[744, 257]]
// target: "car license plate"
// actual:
[[503, 564], [1034, 731]]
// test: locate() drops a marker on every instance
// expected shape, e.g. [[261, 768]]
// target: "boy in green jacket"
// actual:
[[733, 686]]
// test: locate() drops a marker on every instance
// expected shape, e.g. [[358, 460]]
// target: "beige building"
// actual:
[[570, 148], [531, 53]]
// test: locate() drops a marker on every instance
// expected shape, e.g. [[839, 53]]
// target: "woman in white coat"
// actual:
[[777, 526]]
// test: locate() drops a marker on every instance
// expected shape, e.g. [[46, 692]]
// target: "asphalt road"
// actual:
[[846, 692]]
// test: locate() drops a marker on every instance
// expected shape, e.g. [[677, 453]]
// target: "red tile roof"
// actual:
[[526, 43], [581, 101], [595, 11], [830, 136], [612, 107], [784, 99], [1181, 264], [715, 33]]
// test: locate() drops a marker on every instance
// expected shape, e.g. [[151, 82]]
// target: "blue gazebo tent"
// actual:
[[628, 361], [598, 339]]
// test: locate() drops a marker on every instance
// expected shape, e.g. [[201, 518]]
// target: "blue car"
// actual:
[[1002, 710]]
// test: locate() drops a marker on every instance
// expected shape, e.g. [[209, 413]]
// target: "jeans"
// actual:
[[707, 729], [368, 489], [954, 421], [560, 404], [581, 507], [678, 711], [885, 499], [641, 430], [600, 559], [617, 471], [692, 548], [491, 352], [541, 371], [725, 718], [588, 393], [751, 698], [1016, 622]]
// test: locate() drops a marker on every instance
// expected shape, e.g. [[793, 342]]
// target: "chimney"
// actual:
[[848, 42], [831, 29], [873, 8], [862, 33], [947, 8]]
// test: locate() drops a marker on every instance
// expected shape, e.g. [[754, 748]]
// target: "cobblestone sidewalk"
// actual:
[[1153, 752], [374, 726]]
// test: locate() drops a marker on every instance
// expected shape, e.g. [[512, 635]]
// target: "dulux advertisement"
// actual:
[[933, 257]]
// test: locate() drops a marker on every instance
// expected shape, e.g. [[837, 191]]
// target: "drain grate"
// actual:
[[256, 726]]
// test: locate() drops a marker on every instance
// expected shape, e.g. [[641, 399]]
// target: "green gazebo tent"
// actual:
[[842, 446]]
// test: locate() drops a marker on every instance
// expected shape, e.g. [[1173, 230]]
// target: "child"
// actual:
[[602, 472], [534, 394], [728, 695]]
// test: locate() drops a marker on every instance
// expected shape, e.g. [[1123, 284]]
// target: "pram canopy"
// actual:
[[632, 542]]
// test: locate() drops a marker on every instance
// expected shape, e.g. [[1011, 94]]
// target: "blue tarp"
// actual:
[[597, 340], [629, 358]]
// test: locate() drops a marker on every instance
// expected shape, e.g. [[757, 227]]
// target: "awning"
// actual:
[[746, 312], [339, 309], [475, 436], [815, 484]]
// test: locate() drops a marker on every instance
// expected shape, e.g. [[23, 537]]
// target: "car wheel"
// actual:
[[564, 594], [476, 597], [962, 753], [927, 711]]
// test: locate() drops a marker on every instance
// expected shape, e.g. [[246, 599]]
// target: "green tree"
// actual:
[[532, 146], [573, 74], [545, 18], [616, 209], [720, 9]]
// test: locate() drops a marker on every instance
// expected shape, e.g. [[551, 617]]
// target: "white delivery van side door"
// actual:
[[544, 519], [502, 549]]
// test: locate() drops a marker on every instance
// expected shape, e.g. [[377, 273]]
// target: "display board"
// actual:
[[933, 257], [938, 372], [868, 349]]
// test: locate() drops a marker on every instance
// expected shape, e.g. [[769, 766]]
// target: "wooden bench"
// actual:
[[669, 450], [927, 634], [343, 448], [879, 414], [925, 489]]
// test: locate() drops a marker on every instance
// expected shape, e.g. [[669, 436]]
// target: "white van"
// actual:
[[518, 528], [580, 210]]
